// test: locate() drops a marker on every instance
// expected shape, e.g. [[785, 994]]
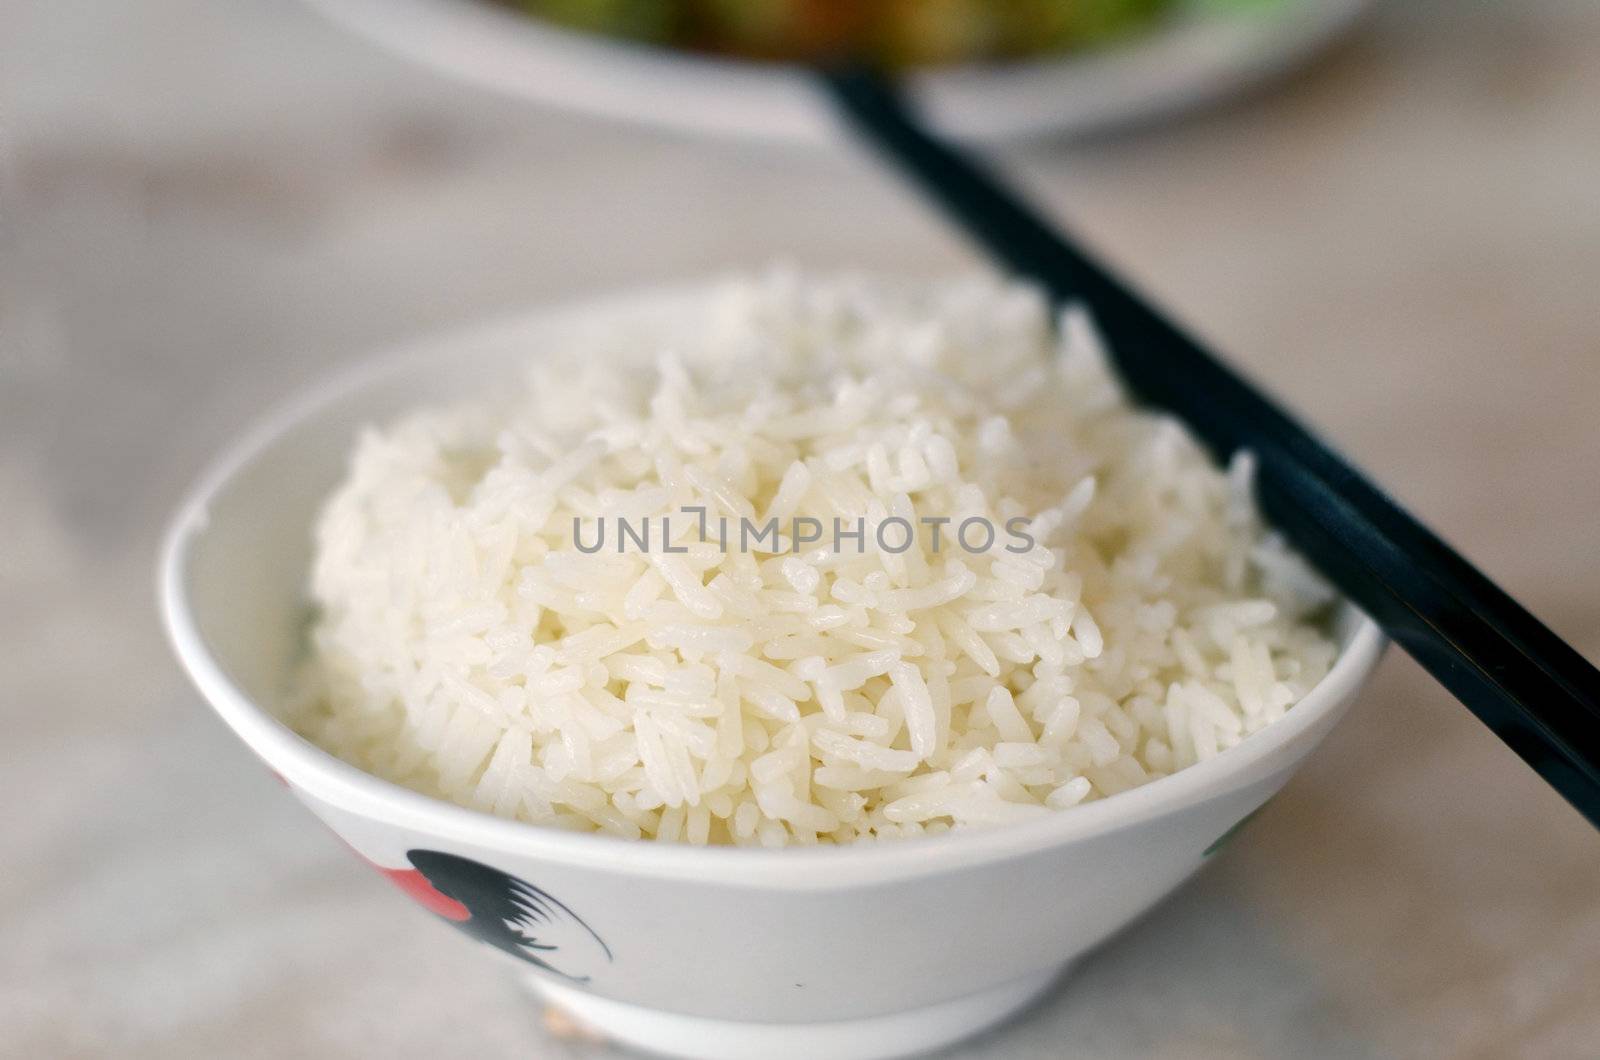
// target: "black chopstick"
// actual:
[[1533, 690]]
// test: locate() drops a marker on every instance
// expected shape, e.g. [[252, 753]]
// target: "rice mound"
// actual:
[[794, 691]]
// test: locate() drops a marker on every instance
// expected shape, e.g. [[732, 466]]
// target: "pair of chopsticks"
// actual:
[[1531, 689]]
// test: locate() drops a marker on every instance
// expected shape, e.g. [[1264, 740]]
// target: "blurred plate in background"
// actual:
[[1198, 55]]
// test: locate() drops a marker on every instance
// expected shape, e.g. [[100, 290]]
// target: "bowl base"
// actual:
[[874, 1038]]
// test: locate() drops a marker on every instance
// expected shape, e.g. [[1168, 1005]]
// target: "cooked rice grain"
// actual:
[[466, 647]]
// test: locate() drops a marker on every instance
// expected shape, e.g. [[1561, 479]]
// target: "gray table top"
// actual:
[[204, 206]]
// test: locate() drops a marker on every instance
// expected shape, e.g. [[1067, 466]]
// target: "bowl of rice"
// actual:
[[788, 666]]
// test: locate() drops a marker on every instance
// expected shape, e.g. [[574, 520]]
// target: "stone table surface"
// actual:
[[206, 205]]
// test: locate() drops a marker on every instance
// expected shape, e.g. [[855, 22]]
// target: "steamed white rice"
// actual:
[[797, 692]]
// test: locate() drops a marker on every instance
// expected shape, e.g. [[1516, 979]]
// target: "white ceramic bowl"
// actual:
[[1198, 55], [870, 951]]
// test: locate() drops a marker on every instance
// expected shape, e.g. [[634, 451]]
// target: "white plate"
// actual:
[[1192, 60]]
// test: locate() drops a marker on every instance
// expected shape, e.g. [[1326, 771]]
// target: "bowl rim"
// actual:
[[302, 764], [1191, 57]]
